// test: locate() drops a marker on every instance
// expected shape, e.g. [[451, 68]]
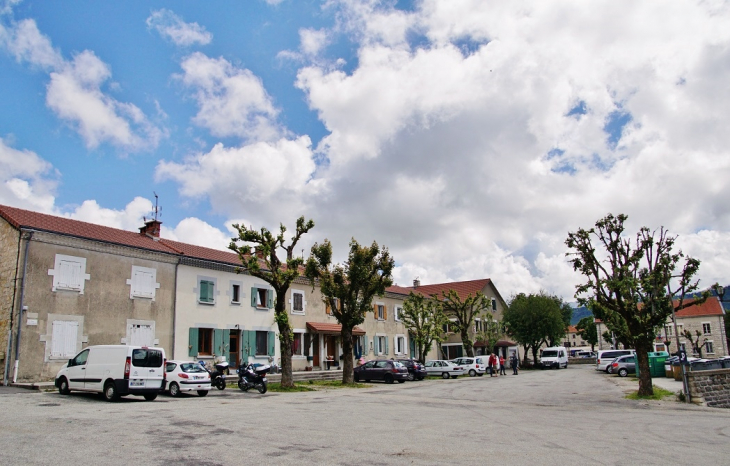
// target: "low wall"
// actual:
[[710, 388], [582, 361]]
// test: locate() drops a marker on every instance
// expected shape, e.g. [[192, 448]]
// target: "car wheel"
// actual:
[[623, 372], [401, 381], [445, 375], [472, 373], [174, 389], [411, 377], [202, 392], [357, 378], [63, 386], [388, 378], [150, 396], [110, 392]]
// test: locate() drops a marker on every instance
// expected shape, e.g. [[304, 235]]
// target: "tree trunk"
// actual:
[[468, 346], [285, 345], [526, 353], [642, 363], [348, 376], [534, 355]]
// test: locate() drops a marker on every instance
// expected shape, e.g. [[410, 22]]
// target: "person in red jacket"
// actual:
[[492, 364], [501, 365]]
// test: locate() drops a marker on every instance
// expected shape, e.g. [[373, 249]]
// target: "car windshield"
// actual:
[[549, 354], [191, 367]]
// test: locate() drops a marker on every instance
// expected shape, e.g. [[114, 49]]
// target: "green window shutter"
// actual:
[[375, 345], [365, 349], [192, 342], [386, 345], [207, 291], [218, 349], [272, 343], [270, 295], [253, 297], [412, 343], [245, 346]]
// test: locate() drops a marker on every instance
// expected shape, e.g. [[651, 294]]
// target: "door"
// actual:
[[332, 349], [76, 370], [234, 357], [147, 369], [315, 350]]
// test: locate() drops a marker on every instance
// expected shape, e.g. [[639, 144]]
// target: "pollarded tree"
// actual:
[[695, 341], [490, 331], [629, 283], [349, 288], [587, 330], [277, 273], [424, 319], [464, 313], [533, 320]]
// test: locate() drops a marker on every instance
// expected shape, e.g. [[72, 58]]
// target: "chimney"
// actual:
[[416, 283], [151, 228]]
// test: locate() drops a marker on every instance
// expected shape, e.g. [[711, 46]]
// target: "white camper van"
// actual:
[[556, 357], [115, 371]]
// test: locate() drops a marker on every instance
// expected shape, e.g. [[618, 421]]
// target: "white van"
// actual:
[[115, 371], [555, 356]]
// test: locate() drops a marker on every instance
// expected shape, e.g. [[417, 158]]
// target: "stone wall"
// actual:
[[710, 388]]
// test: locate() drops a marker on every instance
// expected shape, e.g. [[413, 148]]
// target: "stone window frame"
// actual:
[[48, 337]]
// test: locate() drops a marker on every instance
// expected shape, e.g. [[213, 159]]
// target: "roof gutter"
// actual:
[[20, 311]]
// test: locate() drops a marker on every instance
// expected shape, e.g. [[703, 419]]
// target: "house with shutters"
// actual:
[[68, 284]]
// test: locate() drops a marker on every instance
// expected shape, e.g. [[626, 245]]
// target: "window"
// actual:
[[706, 328], [262, 298], [205, 341], [397, 313], [380, 311], [262, 347], [297, 347], [400, 344], [143, 283], [206, 290], [380, 345], [235, 293], [69, 273], [297, 302], [709, 347], [64, 338]]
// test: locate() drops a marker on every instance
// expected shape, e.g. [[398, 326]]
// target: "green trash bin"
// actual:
[[656, 363]]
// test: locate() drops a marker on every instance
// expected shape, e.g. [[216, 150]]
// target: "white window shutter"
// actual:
[[57, 339], [72, 330]]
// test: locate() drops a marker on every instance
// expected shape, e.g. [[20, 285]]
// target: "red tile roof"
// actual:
[[200, 252], [711, 307], [20, 218], [331, 329], [572, 329], [463, 289]]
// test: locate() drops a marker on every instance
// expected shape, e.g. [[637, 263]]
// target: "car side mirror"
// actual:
[[70, 362]]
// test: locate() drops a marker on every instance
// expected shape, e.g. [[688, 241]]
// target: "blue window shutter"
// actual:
[[192, 342], [365, 349], [386, 345], [253, 296], [245, 346], [272, 343], [375, 345], [218, 349], [270, 296]]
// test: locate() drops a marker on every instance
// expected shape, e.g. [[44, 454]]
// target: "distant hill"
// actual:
[[579, 313]]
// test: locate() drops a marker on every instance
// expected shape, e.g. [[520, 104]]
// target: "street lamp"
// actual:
[[720, 290]]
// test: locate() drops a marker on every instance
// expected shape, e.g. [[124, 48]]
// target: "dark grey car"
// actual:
[[386, 370], [624, 365]]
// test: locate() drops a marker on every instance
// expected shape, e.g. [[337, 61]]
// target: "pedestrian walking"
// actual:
[[501, 366], [492, 363], [515, 361]]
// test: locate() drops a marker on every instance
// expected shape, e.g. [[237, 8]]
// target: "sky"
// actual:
[[469, 136]]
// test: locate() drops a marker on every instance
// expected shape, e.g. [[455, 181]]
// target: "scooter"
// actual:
[[217, 377], [253, 377]]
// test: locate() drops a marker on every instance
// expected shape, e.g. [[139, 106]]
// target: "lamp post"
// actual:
[[720, 290]]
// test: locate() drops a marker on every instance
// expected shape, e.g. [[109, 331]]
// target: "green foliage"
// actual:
[[629, 283], [263, 261], [535, 319], [658, 394], [695, 341], [490, 332], [462, 314], [424, 319], [587, 330], [349, 288]]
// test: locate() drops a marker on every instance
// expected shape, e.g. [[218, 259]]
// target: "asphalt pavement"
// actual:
[[558, 417]]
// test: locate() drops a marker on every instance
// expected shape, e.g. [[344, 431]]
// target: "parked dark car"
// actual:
[[624, 365], [416, 370], [383, 369]]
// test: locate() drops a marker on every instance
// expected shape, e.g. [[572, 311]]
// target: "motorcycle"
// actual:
[[253, 377], [217, 377]]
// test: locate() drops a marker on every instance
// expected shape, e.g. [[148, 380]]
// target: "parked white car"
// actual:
[[187, 376], [114, 371], [445, 369], [473, 366]]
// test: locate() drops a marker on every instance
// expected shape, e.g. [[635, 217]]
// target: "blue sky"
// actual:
[[468, 136]]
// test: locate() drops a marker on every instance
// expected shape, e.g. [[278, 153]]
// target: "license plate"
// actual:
[[136, 383]]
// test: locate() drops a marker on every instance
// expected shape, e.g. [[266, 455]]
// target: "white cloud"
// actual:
[[198, 232], [75, 93], [26, 180], [172, 27], [232, 101], [130, 218], [312, 40]]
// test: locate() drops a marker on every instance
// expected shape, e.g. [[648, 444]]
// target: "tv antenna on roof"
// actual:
[[157, 210]]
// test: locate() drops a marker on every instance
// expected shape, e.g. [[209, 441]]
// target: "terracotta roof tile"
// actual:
[[711, 307], [331, 329], [20, 218], [463, 289]]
